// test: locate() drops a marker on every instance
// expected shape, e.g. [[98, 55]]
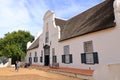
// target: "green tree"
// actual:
[[14, 44]]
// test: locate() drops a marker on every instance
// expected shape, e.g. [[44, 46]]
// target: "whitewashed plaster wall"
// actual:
[[33, 55], [105, 42]]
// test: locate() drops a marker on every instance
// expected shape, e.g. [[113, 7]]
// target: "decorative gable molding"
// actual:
[[117, 12], [48, 14]]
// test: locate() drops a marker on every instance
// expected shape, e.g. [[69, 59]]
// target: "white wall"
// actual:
[[107, 72], [33, 55], [105, 42]]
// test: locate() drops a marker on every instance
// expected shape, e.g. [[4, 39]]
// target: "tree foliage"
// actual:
[[14, 43]]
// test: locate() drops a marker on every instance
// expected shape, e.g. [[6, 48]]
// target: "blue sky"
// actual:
[[28, 14]]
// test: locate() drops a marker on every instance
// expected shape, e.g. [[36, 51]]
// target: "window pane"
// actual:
[[35, 54], [67, 59], [89, 58], [54, 59], [88, 47], [47, 37], [66, 49]]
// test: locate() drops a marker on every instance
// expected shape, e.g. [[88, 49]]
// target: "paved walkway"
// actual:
[[73, 71], [70, 70]]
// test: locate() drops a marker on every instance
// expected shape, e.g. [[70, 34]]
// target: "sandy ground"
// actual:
[[30, 74]]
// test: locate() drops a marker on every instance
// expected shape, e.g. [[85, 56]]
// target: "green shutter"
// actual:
[[71, 58], [63, 58], [34, 59], [83, 58], [55, 59], [30, 60], [95, 56], [41, 59]]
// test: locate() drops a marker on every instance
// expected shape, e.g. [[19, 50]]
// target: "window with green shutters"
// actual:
[[35, 58], [54, 57], [30, 60], [41, 57], [67, 57], [95, 58], [89, 57]]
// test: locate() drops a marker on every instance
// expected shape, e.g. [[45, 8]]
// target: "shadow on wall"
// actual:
[[107, 72]]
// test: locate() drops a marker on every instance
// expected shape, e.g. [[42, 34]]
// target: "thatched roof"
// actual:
[[94, 19], [35, 44]]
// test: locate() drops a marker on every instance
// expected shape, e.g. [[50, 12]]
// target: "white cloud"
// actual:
[[14, 15]]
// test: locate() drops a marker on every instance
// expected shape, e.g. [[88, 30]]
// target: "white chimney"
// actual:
[[116, 6]]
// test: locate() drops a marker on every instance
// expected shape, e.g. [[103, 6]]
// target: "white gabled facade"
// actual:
[[105, 42]]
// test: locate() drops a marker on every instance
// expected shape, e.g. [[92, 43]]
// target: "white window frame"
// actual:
[[88, 49]]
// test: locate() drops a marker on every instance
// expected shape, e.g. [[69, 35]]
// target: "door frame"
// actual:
[[46, 53]]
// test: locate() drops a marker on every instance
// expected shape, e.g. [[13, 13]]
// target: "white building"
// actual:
[[85, 41]]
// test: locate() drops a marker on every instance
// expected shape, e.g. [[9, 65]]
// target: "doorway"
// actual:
[[47, 58], [46, 55]]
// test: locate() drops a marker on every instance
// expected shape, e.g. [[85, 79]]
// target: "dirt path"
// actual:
[[30, 74]]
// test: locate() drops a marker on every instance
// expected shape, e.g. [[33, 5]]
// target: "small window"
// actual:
[[54, 59], [53, 51], [41, 57], [88, 47], [67, 57], [89, 57], [35, 59], [47, 33], [35, 54], [66, 49], [30, 60], [47, 37]]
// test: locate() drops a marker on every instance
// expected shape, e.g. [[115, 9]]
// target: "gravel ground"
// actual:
[[30, 74]]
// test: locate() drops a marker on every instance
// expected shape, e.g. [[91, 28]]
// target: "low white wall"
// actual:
[[107, 72], [6, 64]]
